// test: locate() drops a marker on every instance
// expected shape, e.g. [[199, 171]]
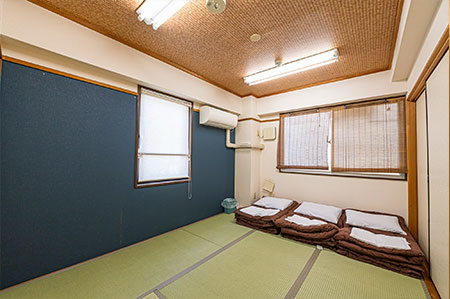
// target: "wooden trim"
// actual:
[[259, 120], [196, 110], [161, 182], [249, 118], [269, 120], [431, 288], [134, 46], [53, 71], [411, 149], [438, 52], [300, 167], [434, 294]]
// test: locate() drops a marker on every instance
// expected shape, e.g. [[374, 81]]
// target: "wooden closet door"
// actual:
[[437, 89]]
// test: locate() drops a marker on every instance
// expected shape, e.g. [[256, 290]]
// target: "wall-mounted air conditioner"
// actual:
[[213, 117]]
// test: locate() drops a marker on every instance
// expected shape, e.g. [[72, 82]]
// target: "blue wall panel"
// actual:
[[67, 175]]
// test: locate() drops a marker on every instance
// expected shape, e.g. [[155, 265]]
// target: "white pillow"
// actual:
[[274, 203], [374, 221], [328, 213]]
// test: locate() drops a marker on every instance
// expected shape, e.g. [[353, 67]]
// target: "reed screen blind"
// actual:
[[304, 138], [365, 137]]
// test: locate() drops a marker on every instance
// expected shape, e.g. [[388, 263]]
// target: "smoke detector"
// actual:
[[216, 6]]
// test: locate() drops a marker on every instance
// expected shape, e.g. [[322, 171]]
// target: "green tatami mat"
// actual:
[[259, 266], [220, 229], [337, 276], [124, 274], [151, 296]]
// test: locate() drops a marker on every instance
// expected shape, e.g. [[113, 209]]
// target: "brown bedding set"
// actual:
[[314, 234], [408, 262], [263, 223]]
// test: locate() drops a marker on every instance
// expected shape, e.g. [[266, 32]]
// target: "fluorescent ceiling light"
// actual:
[[293, 67], [156, 12]]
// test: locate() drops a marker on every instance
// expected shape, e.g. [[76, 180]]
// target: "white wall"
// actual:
[[24, 22], [247, 163]]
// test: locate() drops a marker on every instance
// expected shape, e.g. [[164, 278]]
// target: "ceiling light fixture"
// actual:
[[293, 67], [156, 12]]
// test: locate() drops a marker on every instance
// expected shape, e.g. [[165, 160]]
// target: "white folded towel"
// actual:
[[303, 221], [379, 240], [256, 211], [274, 203]]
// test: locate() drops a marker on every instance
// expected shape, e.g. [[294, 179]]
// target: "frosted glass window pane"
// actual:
[[164, 126], [153, 168]]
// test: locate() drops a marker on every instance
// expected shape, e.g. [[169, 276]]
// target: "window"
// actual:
[[163, 153], [362, 139]]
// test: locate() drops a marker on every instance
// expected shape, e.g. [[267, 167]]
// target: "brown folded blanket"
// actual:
[[414, 255], [263, 223], [408, 262], [402, 268], [267, 229], [314, 234], [309, 238]]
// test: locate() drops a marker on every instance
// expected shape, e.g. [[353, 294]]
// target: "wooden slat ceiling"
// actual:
[[217, 48]]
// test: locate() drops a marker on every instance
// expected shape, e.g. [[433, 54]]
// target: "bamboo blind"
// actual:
[[370, 137], [361, 137], [304, 140]]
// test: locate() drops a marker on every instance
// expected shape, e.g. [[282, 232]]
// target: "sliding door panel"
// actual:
[[437, 89]]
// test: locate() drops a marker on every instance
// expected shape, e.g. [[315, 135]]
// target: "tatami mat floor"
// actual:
[[258, 265]]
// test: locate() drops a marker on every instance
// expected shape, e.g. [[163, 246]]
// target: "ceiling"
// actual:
[[217, 48]]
